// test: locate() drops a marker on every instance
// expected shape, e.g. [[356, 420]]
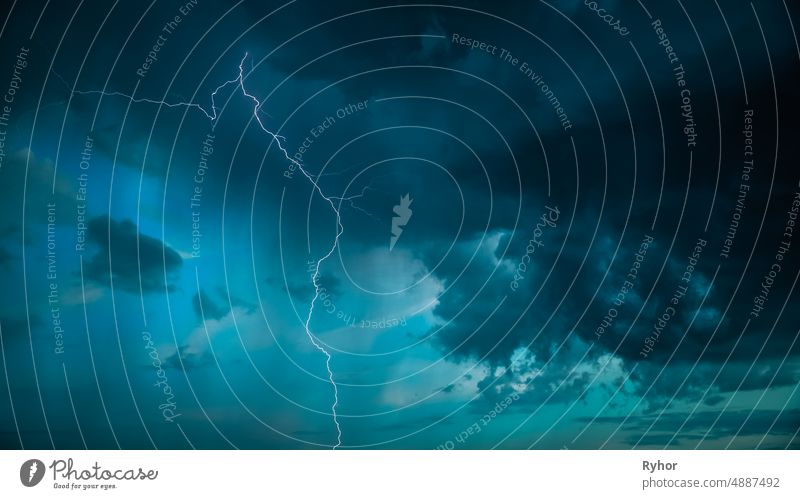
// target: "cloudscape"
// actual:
[[377, 224]]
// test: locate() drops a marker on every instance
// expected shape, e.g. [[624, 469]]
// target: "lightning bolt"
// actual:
[[213, 116], [315, 277]]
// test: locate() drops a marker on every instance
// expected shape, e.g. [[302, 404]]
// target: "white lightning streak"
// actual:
[[351, 201], [277, 138], [315, 277]]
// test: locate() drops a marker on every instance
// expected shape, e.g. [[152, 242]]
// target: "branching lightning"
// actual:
[[213, 116], [351, 202]]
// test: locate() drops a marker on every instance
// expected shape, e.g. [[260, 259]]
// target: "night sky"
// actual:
[[373, 224]]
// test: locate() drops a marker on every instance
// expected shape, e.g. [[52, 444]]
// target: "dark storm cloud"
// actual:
[[206, 308], [236, 301], [131, 258], [682, 380], [184, 359], [216, 307], [688, 337], [695, 426]]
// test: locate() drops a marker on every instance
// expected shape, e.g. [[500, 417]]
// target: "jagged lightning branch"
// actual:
[[239, 80], [351, 201], [315, 277]]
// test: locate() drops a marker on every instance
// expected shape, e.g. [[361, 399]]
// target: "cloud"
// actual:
[[184, 358], [204, 306], [704, 425], [134, 260], [215, 340]]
